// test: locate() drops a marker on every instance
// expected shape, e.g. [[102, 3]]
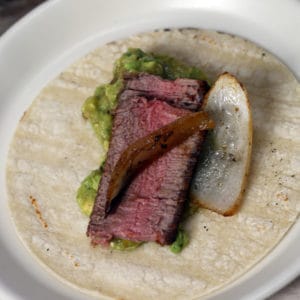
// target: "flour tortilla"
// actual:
[[54, 148]]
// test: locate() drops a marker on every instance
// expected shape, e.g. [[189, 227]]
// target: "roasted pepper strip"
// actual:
[[152, 146]]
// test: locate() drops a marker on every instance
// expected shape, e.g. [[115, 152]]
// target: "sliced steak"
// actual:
[[183, 93], [151, 206]]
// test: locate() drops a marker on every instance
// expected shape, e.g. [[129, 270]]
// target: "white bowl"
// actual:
[[58, 32]]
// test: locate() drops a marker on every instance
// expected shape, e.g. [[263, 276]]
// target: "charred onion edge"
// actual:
[[234, 208]]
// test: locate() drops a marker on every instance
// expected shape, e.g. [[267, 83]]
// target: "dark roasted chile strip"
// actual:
[[150, 147]]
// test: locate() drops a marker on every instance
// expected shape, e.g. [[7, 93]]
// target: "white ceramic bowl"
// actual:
[[58, 32]]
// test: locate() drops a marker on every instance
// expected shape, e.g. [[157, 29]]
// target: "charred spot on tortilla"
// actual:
[[37, 211]]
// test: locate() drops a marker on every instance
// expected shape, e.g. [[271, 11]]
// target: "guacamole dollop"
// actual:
[[87, 191], [136, 60], [120, 244], [181, 241], [98, 109]]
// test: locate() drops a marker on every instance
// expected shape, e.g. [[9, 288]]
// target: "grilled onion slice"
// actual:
[[221, 173]]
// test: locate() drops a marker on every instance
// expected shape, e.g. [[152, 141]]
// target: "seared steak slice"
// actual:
[[150, 207], [183, 93]]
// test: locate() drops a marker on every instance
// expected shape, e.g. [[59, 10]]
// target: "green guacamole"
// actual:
[[87, 191], [135, 60], [181, 241], [98, 109], [119, 244]]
